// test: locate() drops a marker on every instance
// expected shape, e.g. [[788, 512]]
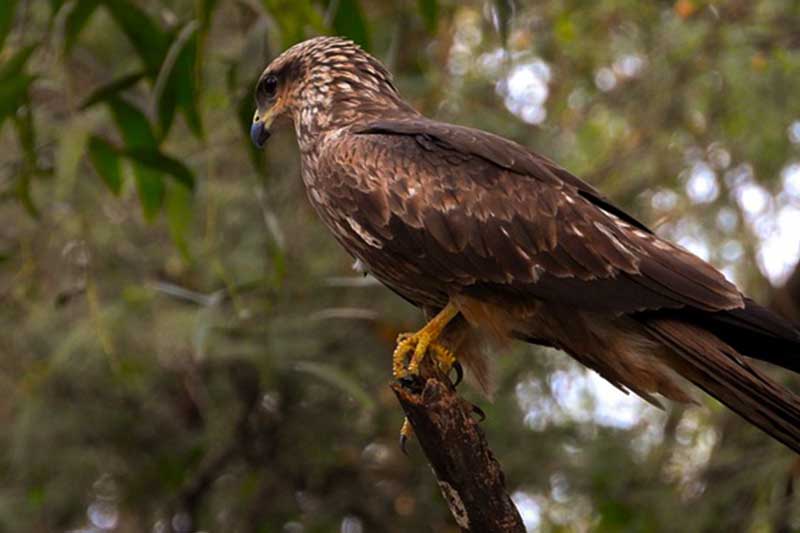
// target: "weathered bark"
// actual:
[[469, 476]]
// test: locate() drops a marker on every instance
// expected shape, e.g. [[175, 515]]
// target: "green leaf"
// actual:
[[133, 125], [429, 11], [244, 112], [7, 254], [150, 186], [179, 216], [13, 94], [70, 152], [55, 5], [162, 163], [106, 161], [503, 12], [7, 10], [14, 103], [14, 83], [26, 133], [349, 21], [112, 89], [148, 163], [187, 90], [79, 13], [339, 379], [149, 40], [176, 82], [293, 17], [206, 8], [564, 29], [23, 193], [27, 139], [14, 66]]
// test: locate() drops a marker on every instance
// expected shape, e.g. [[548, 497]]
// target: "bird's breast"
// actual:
[[360, 225]]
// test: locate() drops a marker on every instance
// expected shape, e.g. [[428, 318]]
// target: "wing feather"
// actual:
[[472, 208]]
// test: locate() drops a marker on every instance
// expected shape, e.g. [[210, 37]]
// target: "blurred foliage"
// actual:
[[184, 347]]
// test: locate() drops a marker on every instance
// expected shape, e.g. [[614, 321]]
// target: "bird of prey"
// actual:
[[492, 239]]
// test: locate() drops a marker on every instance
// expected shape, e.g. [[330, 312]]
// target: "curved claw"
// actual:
[[402, 444], [412, 348], [413, 383], [459, 374], [479, 412], [405, 432]]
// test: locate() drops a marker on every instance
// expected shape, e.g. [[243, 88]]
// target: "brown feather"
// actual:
[[442, 213], [721, 371]]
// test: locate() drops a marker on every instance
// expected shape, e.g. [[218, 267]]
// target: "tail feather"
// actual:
[[757, 332], [753, 330], [718, 368]]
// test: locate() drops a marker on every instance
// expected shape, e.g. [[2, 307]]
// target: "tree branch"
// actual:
[[469, 476]]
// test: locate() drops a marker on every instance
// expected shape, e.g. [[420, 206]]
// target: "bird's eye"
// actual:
[[268, 87]]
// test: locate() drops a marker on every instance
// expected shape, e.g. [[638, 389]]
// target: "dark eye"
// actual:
[[267, 87]]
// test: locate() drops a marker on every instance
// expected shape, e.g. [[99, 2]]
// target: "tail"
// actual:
[[706, 358], [756, 332]]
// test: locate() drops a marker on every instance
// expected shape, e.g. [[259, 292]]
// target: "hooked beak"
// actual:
[[259, 131]]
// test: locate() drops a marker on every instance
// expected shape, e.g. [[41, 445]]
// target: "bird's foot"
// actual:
[[411, 350], [412, 347]]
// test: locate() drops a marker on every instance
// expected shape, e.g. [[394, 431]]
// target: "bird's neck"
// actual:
[[328, 113]]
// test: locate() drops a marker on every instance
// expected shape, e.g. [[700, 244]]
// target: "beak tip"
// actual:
[[259, 134]]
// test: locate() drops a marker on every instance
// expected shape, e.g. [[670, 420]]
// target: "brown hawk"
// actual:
[[492, 238]]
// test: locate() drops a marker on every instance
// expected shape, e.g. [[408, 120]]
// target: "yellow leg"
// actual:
[[411, 350], [416, 345]]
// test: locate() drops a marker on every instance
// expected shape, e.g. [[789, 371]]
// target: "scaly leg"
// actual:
[[414, 346]]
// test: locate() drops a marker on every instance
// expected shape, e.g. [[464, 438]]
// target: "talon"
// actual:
[[405, 433], [478, 411], [459, 374], [404, 346], [412, 347], [412, 383]]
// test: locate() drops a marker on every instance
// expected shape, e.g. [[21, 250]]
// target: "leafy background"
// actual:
[[184, 348]]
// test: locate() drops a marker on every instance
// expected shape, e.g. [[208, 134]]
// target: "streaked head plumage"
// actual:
[[324, 80]]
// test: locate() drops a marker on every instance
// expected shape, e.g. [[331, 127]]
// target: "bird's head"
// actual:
[[324, 82]]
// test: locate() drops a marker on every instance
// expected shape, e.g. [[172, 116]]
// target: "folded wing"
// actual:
[[488, 214]]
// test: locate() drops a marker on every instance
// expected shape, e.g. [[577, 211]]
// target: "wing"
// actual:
[[472, 209]]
